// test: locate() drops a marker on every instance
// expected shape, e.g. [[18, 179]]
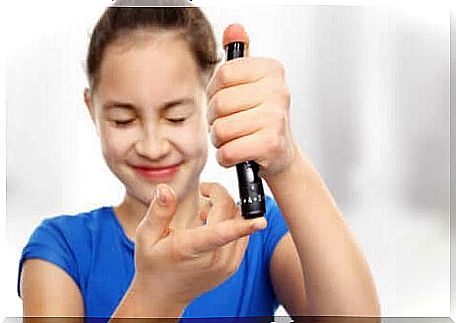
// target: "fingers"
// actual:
[[208, 238], [160, 213], [240, 149], [222, 207], [244, 71], [235, 99], [238, 125], [236, 72]]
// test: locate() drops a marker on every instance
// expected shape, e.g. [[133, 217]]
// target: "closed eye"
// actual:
[[177, 120], [123, 122]]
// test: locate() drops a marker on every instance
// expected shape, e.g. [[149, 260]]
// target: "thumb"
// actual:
[[160, 213], [236, 32]]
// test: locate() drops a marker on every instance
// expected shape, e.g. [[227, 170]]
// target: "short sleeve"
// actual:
[[48, 242], [276, 228]]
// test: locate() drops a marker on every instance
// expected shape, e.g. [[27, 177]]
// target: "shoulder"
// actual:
[[68, 224], [65, 240], [67, 232], [72, 233], [83, 218]]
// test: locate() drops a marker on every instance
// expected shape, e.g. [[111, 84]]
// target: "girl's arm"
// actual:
[[287, 277], [47, 290], [249, 118], [336, 274]]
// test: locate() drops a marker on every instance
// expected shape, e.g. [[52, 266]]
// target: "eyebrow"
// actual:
[[128, 106]]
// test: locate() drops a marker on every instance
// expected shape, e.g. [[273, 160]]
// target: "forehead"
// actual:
[[148, 66]]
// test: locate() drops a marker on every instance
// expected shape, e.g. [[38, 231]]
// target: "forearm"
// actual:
[[337, 277], [141, 302]]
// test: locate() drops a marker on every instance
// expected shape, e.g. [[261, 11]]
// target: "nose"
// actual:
[[152, 144]]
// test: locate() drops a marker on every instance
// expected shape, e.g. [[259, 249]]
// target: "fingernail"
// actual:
[[160, 196]]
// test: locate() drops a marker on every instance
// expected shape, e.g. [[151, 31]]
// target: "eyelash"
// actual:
[[178, 120], [124, 123]]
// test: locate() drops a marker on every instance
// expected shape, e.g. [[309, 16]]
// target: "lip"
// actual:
[[161, 173]]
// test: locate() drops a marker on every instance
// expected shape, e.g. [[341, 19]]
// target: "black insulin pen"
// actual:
[[251, 191]]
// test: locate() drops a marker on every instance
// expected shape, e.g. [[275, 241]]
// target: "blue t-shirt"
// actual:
[[95, 251]]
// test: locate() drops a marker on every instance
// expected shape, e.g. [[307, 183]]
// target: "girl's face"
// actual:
[[150, 111]]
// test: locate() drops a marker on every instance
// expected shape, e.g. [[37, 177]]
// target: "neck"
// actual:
[[131, 211]]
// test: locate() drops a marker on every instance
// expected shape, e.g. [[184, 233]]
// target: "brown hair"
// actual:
[[189, 22]]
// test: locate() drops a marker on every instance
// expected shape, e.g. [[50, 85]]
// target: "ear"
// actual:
[[90, 107]]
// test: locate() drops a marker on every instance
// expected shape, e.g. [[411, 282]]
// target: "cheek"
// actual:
[[194, 141], [114, 143]]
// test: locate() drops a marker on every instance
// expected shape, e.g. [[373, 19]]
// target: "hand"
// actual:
[[248, 111], [181, 265]]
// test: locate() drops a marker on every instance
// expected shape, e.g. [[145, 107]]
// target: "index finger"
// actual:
[[208, 238]]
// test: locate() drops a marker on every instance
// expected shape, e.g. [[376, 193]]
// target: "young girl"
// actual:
[[176, 247]]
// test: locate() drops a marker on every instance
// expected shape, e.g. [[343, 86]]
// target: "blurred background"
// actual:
[[370, 107]]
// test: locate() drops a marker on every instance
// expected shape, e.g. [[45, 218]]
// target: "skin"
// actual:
[[336, 274], [152, 137], [167, 254], [316, 269]]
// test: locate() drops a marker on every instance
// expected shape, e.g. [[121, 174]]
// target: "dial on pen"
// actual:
[[251, 191]]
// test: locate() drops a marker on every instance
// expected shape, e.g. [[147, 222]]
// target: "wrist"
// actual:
[[154, 300], [300, 175], [287, 173]]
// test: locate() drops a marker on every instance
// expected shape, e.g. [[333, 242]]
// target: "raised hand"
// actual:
[[248, 111], [180, 265]]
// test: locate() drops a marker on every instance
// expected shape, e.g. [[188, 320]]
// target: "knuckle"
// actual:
[[284, 94], [278, 68], [224, 74], [226, 156], [217, 132], [220, 156], [275, 141], [215, 104]]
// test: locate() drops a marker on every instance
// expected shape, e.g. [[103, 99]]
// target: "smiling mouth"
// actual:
[[164, 173]]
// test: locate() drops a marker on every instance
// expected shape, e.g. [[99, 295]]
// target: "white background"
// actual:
[[370, 93]]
